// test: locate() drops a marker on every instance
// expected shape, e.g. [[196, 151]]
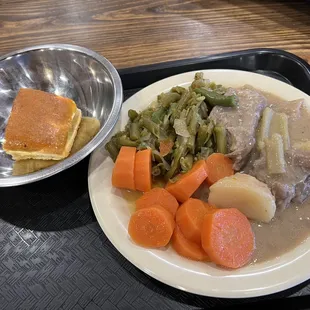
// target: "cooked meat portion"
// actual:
[[241, 123], [285, 187], [294, 184]]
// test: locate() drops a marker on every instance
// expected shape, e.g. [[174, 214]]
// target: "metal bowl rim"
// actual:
[[97, 140]]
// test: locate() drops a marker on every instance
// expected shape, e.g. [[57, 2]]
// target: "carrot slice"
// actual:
[[151, 227], [123, 171], [158, 196], [165, 146], [189, 182], [227, 237], [143, 170], [218, 167], [190, 217], [187, 248]]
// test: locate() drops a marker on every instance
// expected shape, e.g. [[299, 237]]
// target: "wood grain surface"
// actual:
[[131, 33]]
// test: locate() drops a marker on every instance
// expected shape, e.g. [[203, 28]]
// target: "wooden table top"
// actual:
[[131, 33]]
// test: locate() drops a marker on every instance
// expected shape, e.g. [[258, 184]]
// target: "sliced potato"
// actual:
[[245, 193]]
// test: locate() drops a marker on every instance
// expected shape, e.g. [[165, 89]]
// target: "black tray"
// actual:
[[53, 253]]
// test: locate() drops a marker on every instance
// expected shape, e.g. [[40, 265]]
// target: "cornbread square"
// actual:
[[41, 126]]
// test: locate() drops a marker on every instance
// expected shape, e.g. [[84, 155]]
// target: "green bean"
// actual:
[[158, 115], [203, 110], [134, 131], [142, 146], [145, 135], [157, 157], [166, 122], [112, 149], [125, 141], [187, 162], [132, 114], [191, 144], [210, 142], [195, 99], [220, 138], [215, 98], [198, 76], [178, 89], [193, 122], [204, 134], [156, 171], [150, 126], [189, 116], [172, 112], [220, 89], [166, 99], [181, 104], [119, 134], [212, 86], [199, 83], [184, 113], [178, 153], [147, 113]]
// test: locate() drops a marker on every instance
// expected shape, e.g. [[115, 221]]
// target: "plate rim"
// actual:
[[221, 294]]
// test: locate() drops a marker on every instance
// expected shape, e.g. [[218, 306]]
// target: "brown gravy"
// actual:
[[290, 227], [287, 229]]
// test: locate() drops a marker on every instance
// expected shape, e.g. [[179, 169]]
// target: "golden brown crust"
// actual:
[[22, 155], [39, 122]]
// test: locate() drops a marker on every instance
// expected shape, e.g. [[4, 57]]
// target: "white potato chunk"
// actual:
[[245, 193]]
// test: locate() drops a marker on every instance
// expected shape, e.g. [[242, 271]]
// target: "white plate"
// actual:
[[112, 212]]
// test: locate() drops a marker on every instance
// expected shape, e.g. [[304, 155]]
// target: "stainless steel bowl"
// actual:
[[67, 70]]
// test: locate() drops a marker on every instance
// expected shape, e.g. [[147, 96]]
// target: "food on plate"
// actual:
[[165, 147], [177, 127], [218, 167], [240, 123], [245, 193], [275, 157], [158, 196], [241, 149], [151, 227], [227, 237], [184, 185], [123, 175], [276, 162], [216, 98], [143, 170], [186, 248], [189, 219], [89, 127], [41, 126]]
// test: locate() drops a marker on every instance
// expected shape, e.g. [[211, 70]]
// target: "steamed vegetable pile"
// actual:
[[197, 230], [174, 138], [176, 127]]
